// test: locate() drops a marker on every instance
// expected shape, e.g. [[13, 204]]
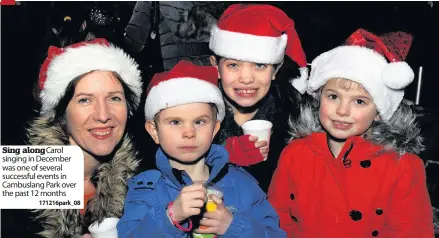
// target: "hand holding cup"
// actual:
[[260, 131]]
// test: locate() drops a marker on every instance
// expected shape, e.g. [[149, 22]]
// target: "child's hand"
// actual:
[[216, 222], [246, 150], [189, 202], [261, 145]]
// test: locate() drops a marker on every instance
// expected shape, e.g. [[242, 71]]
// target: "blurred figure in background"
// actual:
[[159, 34]]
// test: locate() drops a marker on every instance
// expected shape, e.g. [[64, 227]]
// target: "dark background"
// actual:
[[321, 26], [25, 32]]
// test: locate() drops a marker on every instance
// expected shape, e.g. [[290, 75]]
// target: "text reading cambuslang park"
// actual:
[[41, 177]]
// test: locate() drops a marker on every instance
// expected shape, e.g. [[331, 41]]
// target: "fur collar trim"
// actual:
[[111, 184], [400, 134]]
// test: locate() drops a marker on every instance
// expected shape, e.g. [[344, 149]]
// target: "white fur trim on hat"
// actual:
[[247, 47], [77, 61], [179, 91], [300, 83], [397, 75], [362, 65]]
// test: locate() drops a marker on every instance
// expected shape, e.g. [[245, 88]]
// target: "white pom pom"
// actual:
[[301, 82], [397, 75]]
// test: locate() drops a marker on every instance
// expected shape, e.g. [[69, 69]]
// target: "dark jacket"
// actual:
[[109, 179], [182, 29], [276, 110]]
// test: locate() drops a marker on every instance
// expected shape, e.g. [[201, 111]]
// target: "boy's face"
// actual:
[[184, 132], [346, 109], [243, 82]]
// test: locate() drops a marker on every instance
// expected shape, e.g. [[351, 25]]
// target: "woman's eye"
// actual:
[[83, 100], [116, 98]]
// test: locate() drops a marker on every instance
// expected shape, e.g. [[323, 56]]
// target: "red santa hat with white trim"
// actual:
[[62, 65], [259, 33], [185, 83], [375, 62]]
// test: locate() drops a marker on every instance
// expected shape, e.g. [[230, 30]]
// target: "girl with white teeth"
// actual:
[[250, 43]]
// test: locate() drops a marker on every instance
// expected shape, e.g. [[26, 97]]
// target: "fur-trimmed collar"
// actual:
[[111, 187], [400, 134]]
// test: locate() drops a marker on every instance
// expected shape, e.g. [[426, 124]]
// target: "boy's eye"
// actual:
[[332, 96], [174, 122], [200, 122]]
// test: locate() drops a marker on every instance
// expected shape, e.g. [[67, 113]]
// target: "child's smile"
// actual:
[[346, 109]]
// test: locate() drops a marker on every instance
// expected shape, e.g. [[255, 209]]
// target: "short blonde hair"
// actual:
[[347, 84]]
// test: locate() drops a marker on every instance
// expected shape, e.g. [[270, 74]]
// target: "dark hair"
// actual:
[[218, 58], [284, 93], [60, 109]]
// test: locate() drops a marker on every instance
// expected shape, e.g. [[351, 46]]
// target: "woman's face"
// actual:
[[245, 83], [97, 113]]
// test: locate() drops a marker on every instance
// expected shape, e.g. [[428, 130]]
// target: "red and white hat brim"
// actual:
[[77, 61], [247, 47], [179, 91], [359, 64]]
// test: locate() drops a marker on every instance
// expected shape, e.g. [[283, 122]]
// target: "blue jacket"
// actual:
[[150, 192]]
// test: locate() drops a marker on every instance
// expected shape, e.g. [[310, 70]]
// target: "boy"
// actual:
[[354, 172], [184, 109]]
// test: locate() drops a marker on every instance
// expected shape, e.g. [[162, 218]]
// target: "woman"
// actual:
[[88, 92], [250, 42]]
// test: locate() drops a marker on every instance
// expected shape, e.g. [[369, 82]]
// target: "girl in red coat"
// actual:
[[351, 168]]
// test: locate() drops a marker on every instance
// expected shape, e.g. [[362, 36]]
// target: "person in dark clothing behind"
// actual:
[[71, 23], [160, 34], [254, 84]]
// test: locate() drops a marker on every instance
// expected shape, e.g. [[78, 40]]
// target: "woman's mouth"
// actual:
[[101, 133]]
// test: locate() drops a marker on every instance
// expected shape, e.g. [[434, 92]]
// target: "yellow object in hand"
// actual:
[[210, 206]]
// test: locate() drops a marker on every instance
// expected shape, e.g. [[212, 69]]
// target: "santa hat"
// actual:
[[375, 62], [62, 65], [184, 83], [259, 34]]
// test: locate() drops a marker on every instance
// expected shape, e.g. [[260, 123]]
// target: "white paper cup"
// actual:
[[106, 229], [259, 128]]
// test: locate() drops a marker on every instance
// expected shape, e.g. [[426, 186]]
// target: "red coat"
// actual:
[[372, 194]]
